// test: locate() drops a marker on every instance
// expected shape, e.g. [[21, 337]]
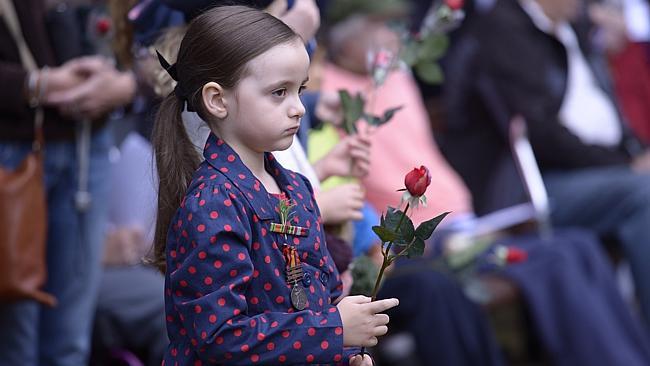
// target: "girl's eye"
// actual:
[[301, 89], [280, 92]]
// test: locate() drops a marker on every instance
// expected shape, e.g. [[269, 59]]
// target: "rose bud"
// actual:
[[417, 181]]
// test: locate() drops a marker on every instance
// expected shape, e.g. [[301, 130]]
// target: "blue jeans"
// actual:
[[612, 201], [31, 334]]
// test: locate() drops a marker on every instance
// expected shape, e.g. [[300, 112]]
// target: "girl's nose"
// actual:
[[297, 109]]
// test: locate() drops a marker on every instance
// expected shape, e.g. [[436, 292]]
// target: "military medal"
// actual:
[[293, 266], [294, 276]]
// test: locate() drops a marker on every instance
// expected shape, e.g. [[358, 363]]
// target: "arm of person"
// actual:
[[209, 289], [16, 94], [509, 87], [555, 146]]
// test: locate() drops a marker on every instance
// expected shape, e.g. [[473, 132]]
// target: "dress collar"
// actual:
[[220, 156]]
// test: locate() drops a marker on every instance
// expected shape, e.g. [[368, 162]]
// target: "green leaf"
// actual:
[[416, 249], [406, 231], [389, 114], [430, 72], [392, 218], [426, 228], [433, 47], [384, 233], [372, 120], [410, 52], [352, 110], [378, 121]]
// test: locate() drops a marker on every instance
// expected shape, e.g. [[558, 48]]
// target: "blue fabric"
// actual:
[[35, 335], [569, 291], [614, 202], [575, 307], [447, 327], [364, 237], [309, 119], [226, 297], [153, 20]]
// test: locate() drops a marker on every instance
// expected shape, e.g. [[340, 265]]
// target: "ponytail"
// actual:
[[176, 161]]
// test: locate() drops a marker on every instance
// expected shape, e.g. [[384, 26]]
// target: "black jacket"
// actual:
[[501, 65], [16, 118]]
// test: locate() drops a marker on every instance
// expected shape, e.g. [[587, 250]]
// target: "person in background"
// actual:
[[596, 172], [563, 271], [82, 88]]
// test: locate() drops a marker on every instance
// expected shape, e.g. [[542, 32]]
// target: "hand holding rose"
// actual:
[[349, 158]]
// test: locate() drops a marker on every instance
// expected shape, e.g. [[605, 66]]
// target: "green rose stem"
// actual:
[[388, 260]]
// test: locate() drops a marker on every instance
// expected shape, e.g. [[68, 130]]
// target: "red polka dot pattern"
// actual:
[[228, 300]]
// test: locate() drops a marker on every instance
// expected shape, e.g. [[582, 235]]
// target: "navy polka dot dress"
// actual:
[[226, 294]]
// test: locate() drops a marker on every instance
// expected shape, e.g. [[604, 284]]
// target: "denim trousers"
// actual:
[[31, 334], [613, 202]]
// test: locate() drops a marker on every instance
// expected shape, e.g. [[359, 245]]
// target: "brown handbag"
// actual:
[[23, 212]]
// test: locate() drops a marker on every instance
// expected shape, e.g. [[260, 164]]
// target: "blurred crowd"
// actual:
[[473, 79]]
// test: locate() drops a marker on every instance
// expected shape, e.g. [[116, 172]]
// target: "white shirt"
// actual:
[[637, 19], [586, 110]]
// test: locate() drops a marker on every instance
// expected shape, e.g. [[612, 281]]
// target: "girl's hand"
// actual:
[[357, 360], [362, 323]]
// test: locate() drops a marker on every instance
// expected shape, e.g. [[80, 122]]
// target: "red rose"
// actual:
[[455, 4], [516, 255], [417, 181]]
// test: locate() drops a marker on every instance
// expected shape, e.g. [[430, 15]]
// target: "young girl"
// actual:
[[244, 284]]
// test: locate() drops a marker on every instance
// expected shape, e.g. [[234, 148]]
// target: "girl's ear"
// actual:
[[213, 99]]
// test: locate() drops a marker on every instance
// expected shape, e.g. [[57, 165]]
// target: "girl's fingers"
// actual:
[[371, 342], [381, 305], [380, 330], [381, 319]]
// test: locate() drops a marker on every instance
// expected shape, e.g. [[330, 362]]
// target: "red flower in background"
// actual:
[[509, 255], [417, 181], [455, 4], [516, 255], [103, 25]]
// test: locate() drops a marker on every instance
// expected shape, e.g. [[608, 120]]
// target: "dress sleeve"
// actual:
[[209, 291]]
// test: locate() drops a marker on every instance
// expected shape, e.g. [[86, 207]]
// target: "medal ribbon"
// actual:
[[289, 229], [291, 256]]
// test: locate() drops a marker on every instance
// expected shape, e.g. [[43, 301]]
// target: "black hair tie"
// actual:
[[179, 91]]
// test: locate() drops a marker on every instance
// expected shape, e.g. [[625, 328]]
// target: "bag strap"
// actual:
[[8, 13]]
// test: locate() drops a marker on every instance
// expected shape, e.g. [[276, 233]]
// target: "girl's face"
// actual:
[[264, 108]]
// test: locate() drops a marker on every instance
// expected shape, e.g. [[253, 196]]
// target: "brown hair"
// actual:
[[216, 48], [123, 39]]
